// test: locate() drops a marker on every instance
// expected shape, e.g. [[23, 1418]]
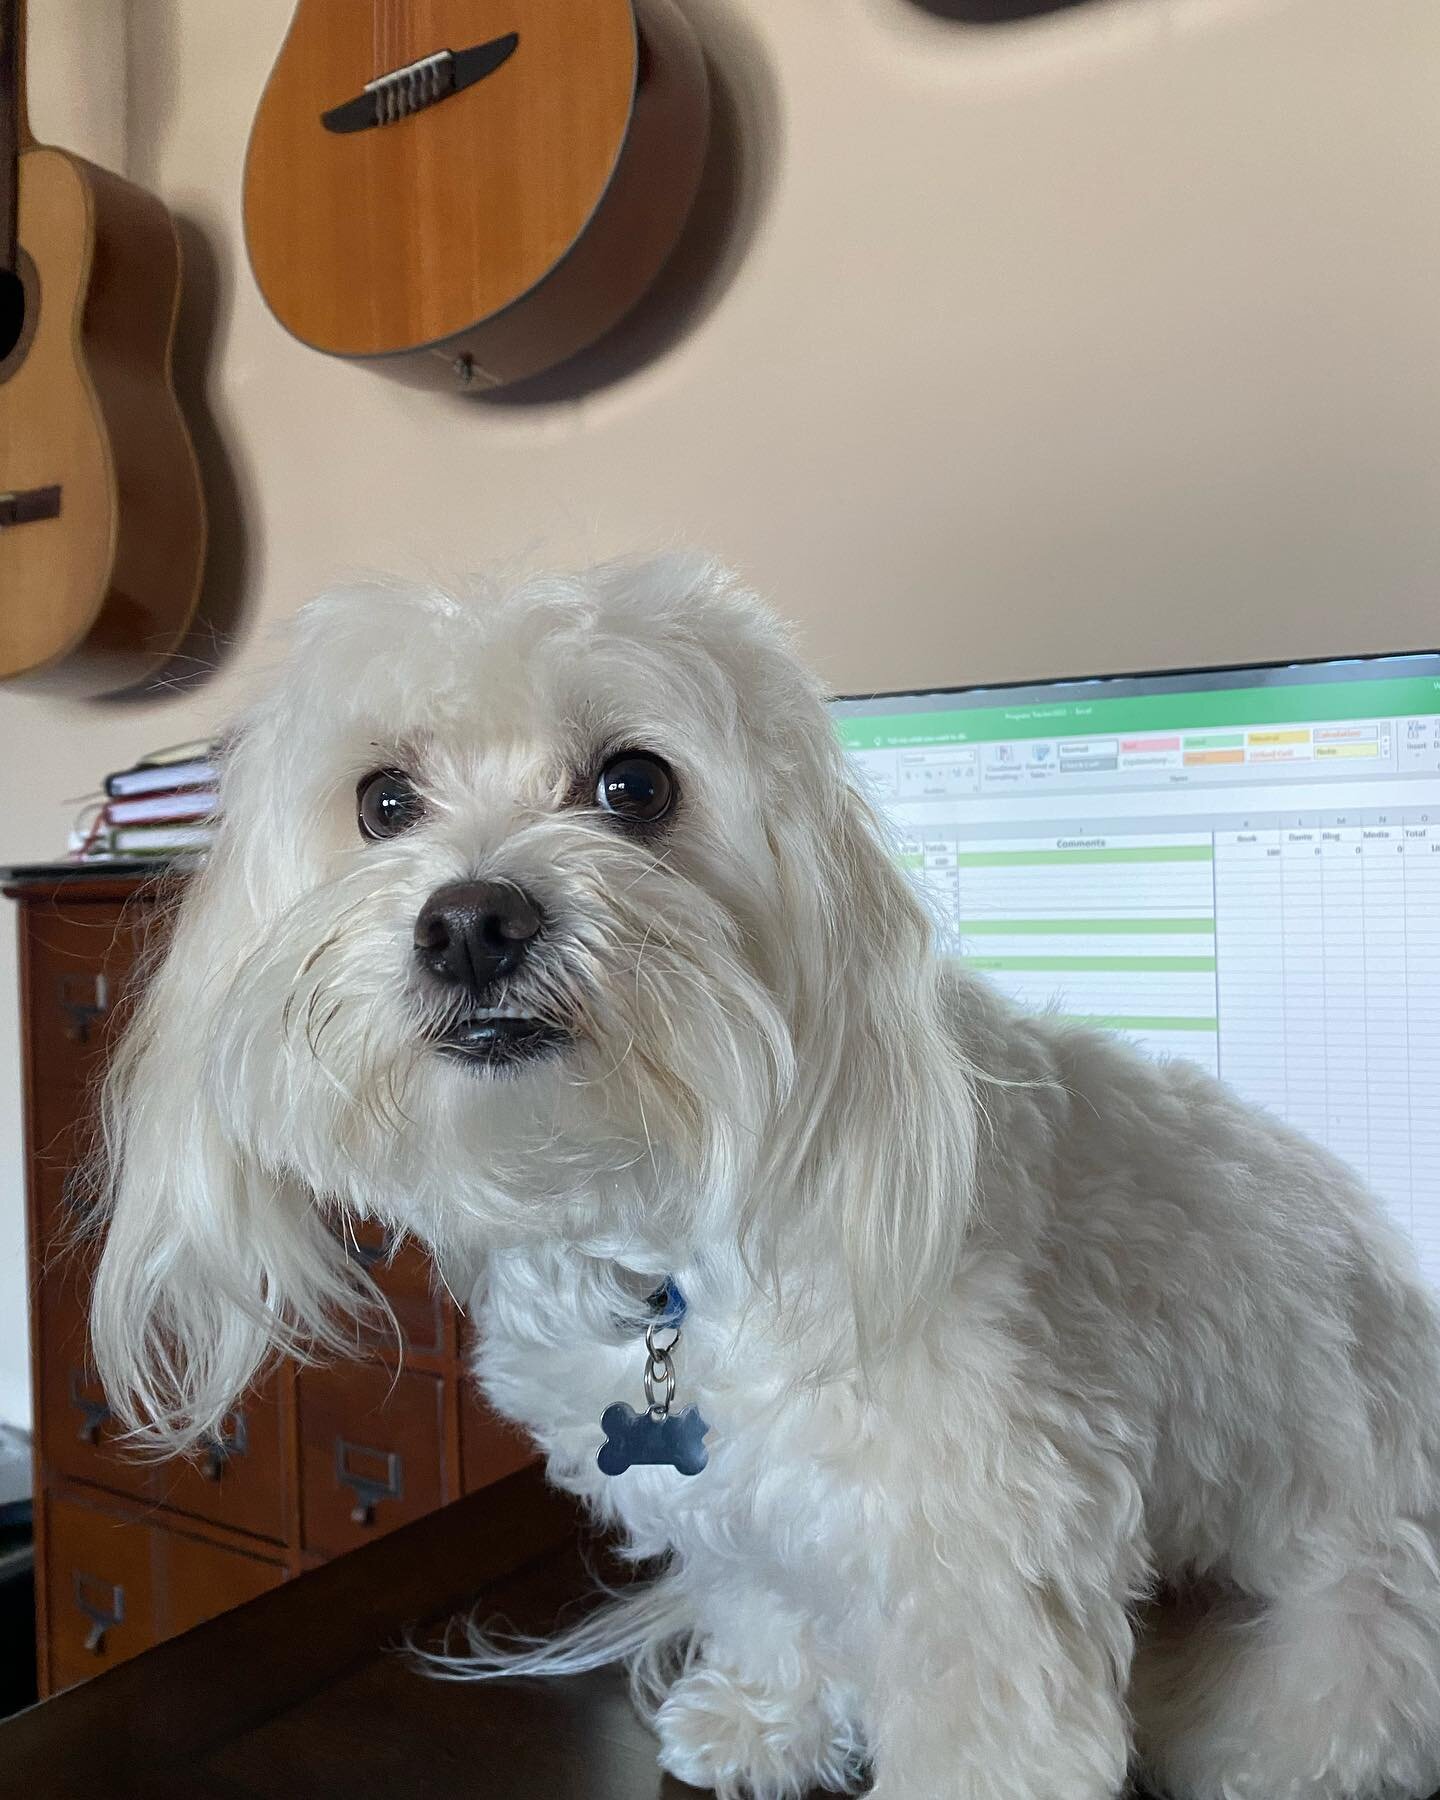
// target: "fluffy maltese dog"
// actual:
[[1007, 1412]]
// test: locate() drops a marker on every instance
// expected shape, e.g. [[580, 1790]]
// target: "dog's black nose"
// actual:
[[472, 933]]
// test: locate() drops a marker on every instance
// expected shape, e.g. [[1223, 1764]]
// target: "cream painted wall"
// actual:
[[1103, 341]]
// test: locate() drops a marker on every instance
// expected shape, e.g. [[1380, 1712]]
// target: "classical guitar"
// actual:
[[102, 523], [471, 190]]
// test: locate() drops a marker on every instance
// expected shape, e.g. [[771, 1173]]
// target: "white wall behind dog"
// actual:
[[1099, 341]]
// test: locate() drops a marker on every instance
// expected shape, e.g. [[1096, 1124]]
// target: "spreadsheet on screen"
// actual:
[[1240, 867]]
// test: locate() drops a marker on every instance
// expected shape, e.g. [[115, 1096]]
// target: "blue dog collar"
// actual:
[[667, 1304]]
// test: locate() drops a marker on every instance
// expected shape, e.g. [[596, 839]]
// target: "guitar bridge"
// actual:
[[411, 89], [390, 98], [29, 505]]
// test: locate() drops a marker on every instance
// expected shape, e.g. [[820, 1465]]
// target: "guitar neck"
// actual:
[[14, 127]]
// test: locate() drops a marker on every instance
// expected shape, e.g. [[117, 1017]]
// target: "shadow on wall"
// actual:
[[735, 187], [205, 302], [207, 295]]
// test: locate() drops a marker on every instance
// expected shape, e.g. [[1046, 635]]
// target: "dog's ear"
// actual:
[[211, 1263], [880, 1139]]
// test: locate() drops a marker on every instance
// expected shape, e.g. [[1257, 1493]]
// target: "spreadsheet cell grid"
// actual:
[[1269, 911]]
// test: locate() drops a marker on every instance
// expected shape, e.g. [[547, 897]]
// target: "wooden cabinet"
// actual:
[[313, 1463]]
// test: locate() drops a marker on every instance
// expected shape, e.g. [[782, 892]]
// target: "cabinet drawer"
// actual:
[[117, 1583], [490, 1447], [372, 1453], [66, 1166], [238, 1478], [77, 1432], [407, 1279], [100, 1605], [194, 1580], [236, 1481], [81, 960]]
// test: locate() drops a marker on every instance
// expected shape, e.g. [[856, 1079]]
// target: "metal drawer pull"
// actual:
[[95, 1410], [371, 1256], [232, 1439], [83, 999], [368, 1485], [102, 1604]]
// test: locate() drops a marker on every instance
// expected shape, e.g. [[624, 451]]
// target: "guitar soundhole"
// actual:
[[19, 313], [12, 311]]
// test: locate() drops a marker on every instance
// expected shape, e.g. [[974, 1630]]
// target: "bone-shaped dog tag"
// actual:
[[676, 1439]]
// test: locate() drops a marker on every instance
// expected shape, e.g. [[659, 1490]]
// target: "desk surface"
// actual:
[[302, 1692]]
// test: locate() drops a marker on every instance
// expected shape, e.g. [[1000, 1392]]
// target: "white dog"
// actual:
[[1064, 1414]]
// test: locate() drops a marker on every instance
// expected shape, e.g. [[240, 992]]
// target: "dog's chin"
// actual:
[[492, 1043]]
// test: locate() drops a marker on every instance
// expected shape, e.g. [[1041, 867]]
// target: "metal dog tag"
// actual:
[[631, 1438], [657, 1436]]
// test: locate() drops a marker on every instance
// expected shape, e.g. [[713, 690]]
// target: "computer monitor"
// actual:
[[1236, 866]]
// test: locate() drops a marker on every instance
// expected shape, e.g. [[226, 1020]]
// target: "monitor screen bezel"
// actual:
[[1299, 667]]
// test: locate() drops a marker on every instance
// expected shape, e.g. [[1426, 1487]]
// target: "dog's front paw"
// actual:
[[717, 1732]]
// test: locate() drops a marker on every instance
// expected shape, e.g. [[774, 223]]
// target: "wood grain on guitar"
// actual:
[[102, 524], [471, 192]]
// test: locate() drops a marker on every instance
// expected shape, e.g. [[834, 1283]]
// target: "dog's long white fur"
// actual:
[[1066, 1412]]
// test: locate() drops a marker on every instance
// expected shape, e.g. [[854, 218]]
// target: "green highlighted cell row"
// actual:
[[1100, 965], [1140, 1022], [1057, 859], [1086, 927]]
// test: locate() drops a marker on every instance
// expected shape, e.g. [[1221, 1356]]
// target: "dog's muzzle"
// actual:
[[473, 938]]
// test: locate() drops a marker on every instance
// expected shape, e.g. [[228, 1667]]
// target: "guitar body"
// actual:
[[481, 218], [100, 579]]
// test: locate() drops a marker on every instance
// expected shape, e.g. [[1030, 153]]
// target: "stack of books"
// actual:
[[162, 807]]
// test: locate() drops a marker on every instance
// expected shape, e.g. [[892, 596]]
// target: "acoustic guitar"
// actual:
[[102, 521], [471, 190]]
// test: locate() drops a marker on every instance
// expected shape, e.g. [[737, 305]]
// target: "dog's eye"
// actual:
[[636, 787], [386, 804]]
